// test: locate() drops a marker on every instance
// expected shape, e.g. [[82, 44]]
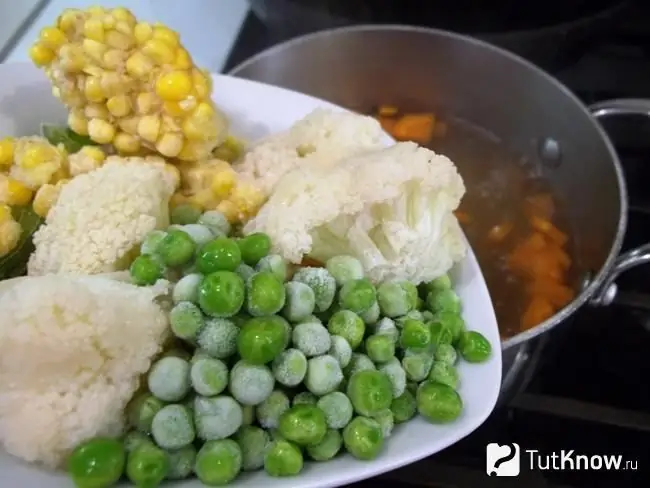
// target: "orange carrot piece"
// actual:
[[556, 293], [548, 229], [539, 309], [414, 127], [463, 217], [387, 124]]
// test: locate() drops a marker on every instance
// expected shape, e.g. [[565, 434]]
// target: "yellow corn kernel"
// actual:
[[93, 152], [149, 127], [119, 105], [122, 14], [35, 155], [170, 144], [138, 65], [94, 49], [125, 28], [67, 19], [112, 83], [142, 32], [223, 183], [9, 236], [191, 151], [247, 199], [78, 122], [183, 59], [118, 40], [201, 83], [72, 58], [159, 51], [204, 199], [108, 21], [52, 37], [96, 111], [101, 131], [94, 29], [41, 55], [229, 210], [13, 192], [113, 59], [145, 103], [6, 151], [97, 10], [87, 159], [129, 124], [44, 199], [174, 86], [126, 143], [5, 213], [93, 89], [166, 35]]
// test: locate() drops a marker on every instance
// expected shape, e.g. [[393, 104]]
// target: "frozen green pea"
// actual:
[[371, 316], [248, 414], [181, 463], [303, 424], [146, 270], [380, 348], [413, 314], [97, 462], [440, 334], [444, 373], [438, 284], [445, 353], [357, 295], [403, 407], [327, 448], [262, 339], [453, 322], [187, 288], [443, 300], [134, 439], [173, 427], [216, 417], [415, 335], [427, 316], [290, 367], [215, 221], [218, 462], [221, 294], [186, 320], [245, 271], [176, 248], [283, 459], [337, 409], [474, 347], [417, 365], [305, 397], [151, 241], [324, 375], [274, 263], [250, 384], [269, 411], [363, 438], [254, 247], [370, 392], [438, 403], [300, 301], [344, 268], [396, 298], [220, 254], [185, 213], [141, 410], [348, 325], [218, 338], [396, 374], [312, 338], [209, 376], [265, 294], [322, 284], [169, 379], [200, 234], [147, 465], [386, 326], [359, 362], [253, 443], [386, 422], [341, 350]]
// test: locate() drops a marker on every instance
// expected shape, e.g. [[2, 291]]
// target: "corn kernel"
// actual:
[[93, 89], [101, 131], [203, 199], [111, 83], [77, 122], [94, 29], [123, 15], [229, 210], [118, 40], [94, 49], [68, 19], [52, 37], [35, 155], [166, 35], [113, 59], [129, 124], [159, 51], [145, 103], [223, 183], [142, 32], [96, 10], [175, 109], [45, 198], [138, 65], [170, 144], [93, 152], [191, 152], [96, 111], [119, 105], [109, 21], [149, 127], [174, 86], [6, 151], [72, 58], [201, 84], [5, 213], [126, 143], [13, 192], [183, 59], [40, 54], [10, 232]]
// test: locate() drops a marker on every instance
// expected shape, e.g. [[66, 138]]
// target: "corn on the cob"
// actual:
[[9, 231], [37, 162], [130, 83], [46, 197]]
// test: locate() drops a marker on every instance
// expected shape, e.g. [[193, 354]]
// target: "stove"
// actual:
[[587, 383]]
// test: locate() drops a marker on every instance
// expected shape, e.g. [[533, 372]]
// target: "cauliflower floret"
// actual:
[[72, 351], [390, 208], [321, 138], [101, 216]]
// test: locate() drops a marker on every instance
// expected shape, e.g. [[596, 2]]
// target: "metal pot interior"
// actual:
[[455, 76]]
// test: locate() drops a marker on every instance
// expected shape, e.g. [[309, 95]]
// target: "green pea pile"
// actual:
[[271, 365]]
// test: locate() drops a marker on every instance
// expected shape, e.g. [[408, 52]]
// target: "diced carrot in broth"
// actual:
[[539, 309], [463, 217], [414, 127], [547, 228], [387, 124], [556, 293]]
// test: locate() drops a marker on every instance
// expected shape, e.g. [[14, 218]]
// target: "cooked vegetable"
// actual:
[[17, 225]]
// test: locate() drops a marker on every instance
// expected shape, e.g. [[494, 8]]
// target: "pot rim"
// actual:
[[599, 277]]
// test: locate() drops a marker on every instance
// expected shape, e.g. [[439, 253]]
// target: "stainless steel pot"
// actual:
[[359, 67]]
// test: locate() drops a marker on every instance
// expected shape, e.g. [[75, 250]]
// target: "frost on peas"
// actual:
[[453, 322], [215, 221], [380, 348], [371, 316], [322, 284], [311, 338], [344, 268], [290, 367], [141, 410], [300, 301], [173, 427], [444, 373], [341, 350], [186, 320], [427, 316], [324, 375], [216, 417], [413, 314], [181, 463], [187, 288], [359, 362], [250, 384], [245, 271], [209, 376], [253, 443], [443, 300], [218, 338], [446, 353], [403, 407], [134, 439], [151, 241], [305, 397], [200, 234], [265, 294], [396, 298], [438, 284], [386, 422], [275, 264], [357, 296], [348, 325], [218, 462], [327, 448], [417, 365], [169, 379], [386, 326], [337, 409], [396, 374], [269, 411]]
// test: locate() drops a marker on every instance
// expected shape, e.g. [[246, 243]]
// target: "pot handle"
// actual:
[[606, 293]]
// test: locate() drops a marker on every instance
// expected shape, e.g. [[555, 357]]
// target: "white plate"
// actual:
[[257, 110]]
